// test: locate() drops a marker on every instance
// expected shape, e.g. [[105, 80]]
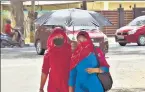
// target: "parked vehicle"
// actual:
[[6, 40], [134, 32], [42, 33]]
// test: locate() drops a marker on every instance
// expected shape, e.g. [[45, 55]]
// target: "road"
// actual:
[[21, 69]]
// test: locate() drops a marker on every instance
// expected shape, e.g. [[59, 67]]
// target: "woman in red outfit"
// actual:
[[56, 62]]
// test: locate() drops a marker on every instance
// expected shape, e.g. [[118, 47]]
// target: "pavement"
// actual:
[[21, 68]]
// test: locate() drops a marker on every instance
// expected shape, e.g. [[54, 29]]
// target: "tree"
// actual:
[[18, 14], [84, 5]]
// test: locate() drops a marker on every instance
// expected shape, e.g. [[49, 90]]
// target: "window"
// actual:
[[139, 21]]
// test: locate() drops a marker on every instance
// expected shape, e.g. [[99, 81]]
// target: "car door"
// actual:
[[141, 31]]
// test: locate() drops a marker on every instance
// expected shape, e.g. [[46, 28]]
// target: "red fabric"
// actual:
[[57, 61], [8, 29], [84, 49], [101, 58]]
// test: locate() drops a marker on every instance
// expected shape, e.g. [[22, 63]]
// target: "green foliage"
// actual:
[[5, 15]]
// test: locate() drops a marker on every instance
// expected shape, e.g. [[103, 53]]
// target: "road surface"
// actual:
[[21, 69]]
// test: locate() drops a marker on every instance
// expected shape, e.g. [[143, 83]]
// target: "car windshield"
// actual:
[[139, 21], [82, 28]]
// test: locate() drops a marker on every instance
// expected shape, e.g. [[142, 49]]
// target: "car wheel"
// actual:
[[39, 49], [122, 44], [141, 40]]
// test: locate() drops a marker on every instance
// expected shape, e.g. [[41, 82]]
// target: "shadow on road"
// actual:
[[127, 50], [127, 46], [16, 53], [127, 53], [128, 90]]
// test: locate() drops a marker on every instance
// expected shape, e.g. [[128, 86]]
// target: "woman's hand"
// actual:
[[42, 83], [93, 70], [71, 89]]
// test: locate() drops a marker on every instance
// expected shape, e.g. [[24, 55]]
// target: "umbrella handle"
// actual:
[[73, 34], [73, 38]]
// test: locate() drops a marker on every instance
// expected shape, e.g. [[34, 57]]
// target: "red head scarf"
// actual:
[[57, 32], [84, 49], [57, 58]]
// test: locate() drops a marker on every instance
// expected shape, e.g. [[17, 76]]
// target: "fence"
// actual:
[[120, 18]]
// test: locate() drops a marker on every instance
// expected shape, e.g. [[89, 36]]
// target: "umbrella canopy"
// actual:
[[100, 18], [42, 19], [73, 17]]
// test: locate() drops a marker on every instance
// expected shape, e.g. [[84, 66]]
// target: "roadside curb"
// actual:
[[111, 40], [29, 45]]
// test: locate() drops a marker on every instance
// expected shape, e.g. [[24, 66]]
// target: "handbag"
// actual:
[[105, 78]]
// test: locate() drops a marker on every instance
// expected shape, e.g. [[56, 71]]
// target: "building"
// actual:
[[95, 5]]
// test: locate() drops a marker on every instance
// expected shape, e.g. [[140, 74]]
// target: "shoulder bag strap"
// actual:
[[96, 54]]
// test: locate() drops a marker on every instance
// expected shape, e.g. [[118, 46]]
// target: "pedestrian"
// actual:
[[8, 30], [56, 62], [83, 77]]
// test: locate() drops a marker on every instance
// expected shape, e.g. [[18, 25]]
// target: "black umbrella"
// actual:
[[42, 19], [100, 18], [73, 17]]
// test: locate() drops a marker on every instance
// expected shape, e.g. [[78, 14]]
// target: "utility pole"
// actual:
[[84, 5], [33, 6], [32, 12], [1, 25]]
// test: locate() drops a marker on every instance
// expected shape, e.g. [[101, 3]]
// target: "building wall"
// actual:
[[97, 5], [54, 7], [6, 7], [126, 5]]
